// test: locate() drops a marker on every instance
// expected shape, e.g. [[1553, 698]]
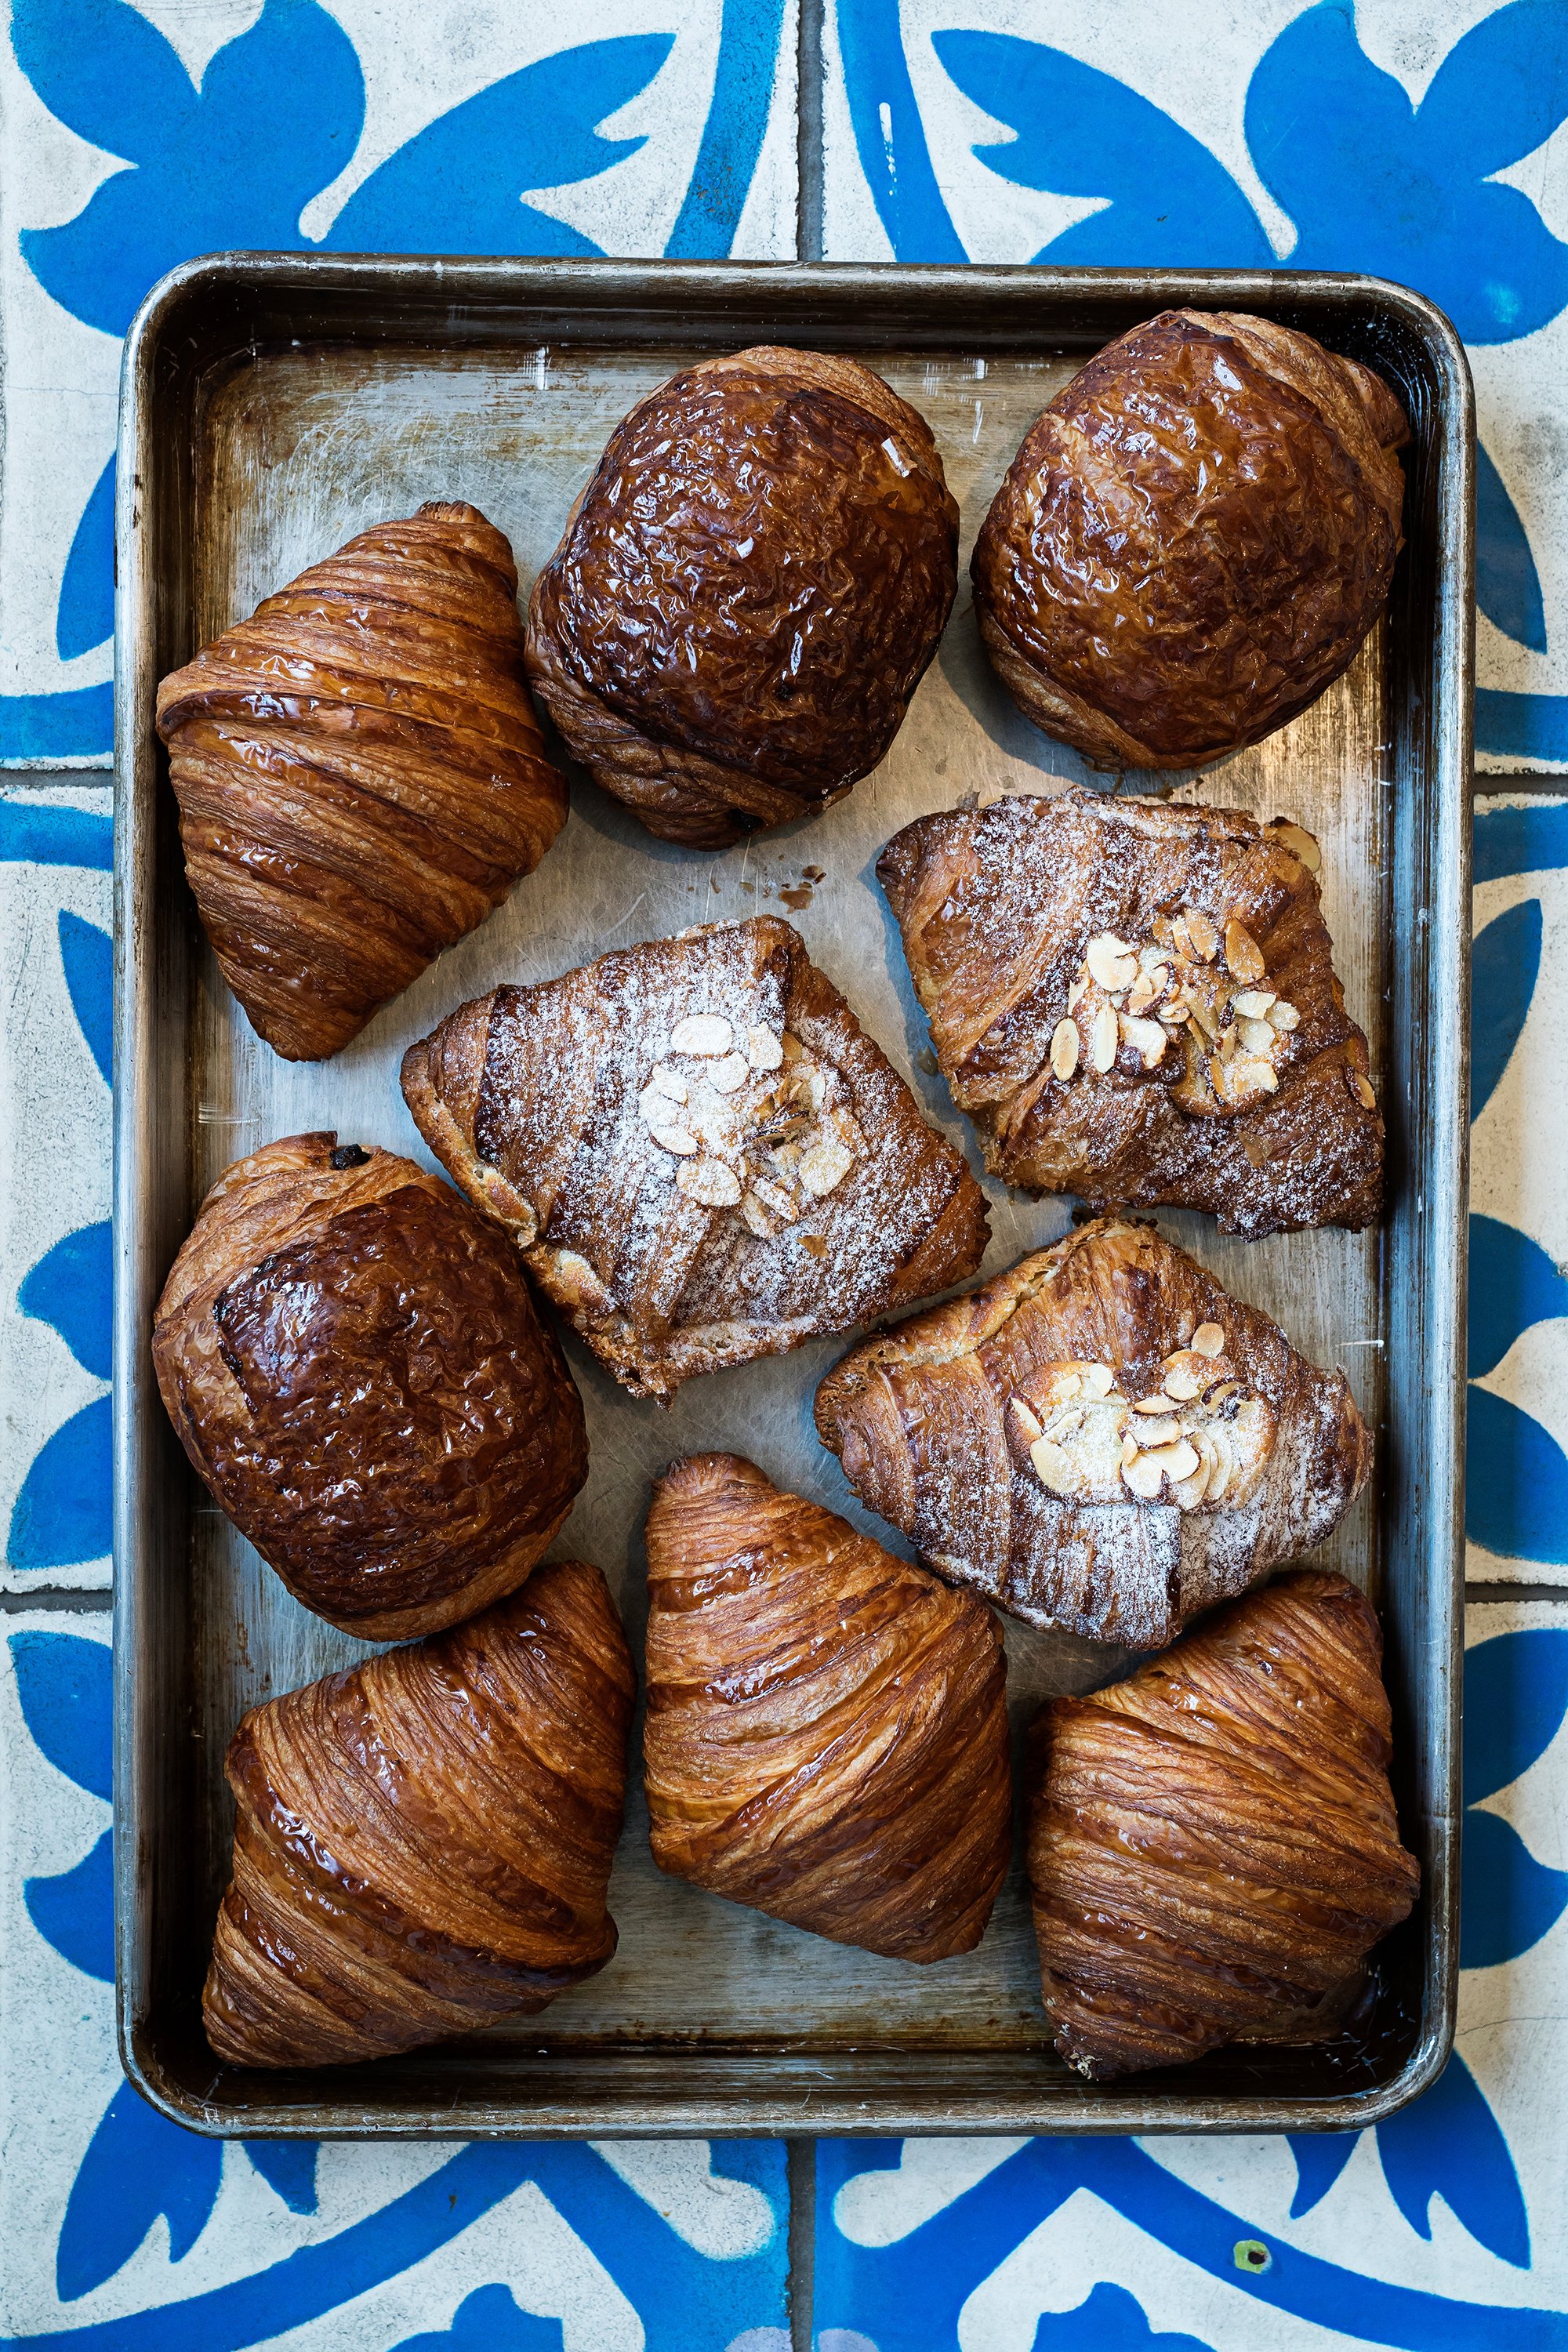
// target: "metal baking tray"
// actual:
[[272, 405]]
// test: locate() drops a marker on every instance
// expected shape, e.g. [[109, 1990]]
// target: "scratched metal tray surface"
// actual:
[[272, 407]]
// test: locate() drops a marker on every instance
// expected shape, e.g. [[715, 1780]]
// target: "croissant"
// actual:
[[1213, 1846], [354, 1364], [826, 1736], [1101, 1440], [1136, 1002], [747, 593], [1193, 541], [703, 1156], [360, 774], [422, 1845]]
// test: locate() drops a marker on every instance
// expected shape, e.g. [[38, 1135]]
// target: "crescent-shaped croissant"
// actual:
[[1101, 1440], [422, 1845], [352, 1358], [359, 774], [1212, 1845], [826, 1735]]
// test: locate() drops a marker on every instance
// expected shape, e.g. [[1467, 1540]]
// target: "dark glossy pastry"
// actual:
[[703, 1156], [748, 593], [1193, 541], [1136, 1002], [1101, 1440], [354, 1366], [1213, 1846], [422, 1845], [826, 1735], [359, 774]]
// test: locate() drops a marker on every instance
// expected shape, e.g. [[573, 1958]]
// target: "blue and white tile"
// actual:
[[1419, 140], [137, 136]]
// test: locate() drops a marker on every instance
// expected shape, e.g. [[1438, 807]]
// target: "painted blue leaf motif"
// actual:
[[1447, 2144], [63, 1684], [288, 2165], [1529, 840], [1516, 1483], [489, 2321], [71, 1288], [1505, 963], [1083, 133], [1110, 2320], [1510, 1900], [889, 138], [63, 1514], [74, 1912], [1507, 587], [137, 2168], [34, 833], [456, 188], [1374, 184], [1513, 1283], [1516, 1695], [88, 955], [1320, 2157], [732, 135], [85, 613]]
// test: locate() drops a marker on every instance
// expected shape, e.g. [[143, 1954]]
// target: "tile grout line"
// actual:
[[800, 2158], [809, 170], [63, 1598]]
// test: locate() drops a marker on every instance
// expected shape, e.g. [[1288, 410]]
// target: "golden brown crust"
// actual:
[[808, 503], [1193, 541], [422, 1845], [354, 1366], [997, 908], [826, 1733], [935, 1422], [1212, 1845], [359, 774], [804, 1195]]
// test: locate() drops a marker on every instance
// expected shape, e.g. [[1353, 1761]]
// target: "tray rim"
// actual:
[[470, 287]]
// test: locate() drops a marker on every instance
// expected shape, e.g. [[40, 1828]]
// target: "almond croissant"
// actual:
[[422, 1845], [826, 1733], [1101, 1440], [1212, 1845], [359, 774]]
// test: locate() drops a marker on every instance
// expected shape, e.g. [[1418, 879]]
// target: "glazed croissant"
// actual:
[[1213, 1846], [422, 1845], [353, 1363], [747, 593], [826, 1734], [1101, 1440], [359, 774]]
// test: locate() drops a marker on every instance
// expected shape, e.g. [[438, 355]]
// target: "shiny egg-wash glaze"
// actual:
[[747, 593], [353, 1363]]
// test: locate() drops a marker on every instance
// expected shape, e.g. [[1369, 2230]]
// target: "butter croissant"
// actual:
[[422, 1845], [1213, 1846], [359, 774], [1101, 1440], [826, 1735]]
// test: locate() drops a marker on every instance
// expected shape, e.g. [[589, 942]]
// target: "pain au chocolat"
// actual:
[[1193, 541], [1213, 1847], [359, 774], [1136, 1002], [747, 593], [826, 1735], [353, 1361], [703, 1156], [1101, 1440], [422, 1845]]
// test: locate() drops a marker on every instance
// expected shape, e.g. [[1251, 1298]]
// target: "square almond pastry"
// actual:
[[703, 1156], [1135, 1001]]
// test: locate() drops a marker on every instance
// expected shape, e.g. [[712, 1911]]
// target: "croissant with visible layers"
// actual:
[[359, 774], [422, 1845], [826, 1734], [354, 1364], [1101, 1440], [1136, 1002], [747, 593], [703, 1156], [1213, 1846]]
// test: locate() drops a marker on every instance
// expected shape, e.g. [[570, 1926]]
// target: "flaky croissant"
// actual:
[[826, 1734], [1101, 1440], [1136, 1002], [353, 1363], [748, 593], [1213, 1846], [422, 1845], [359, 774]]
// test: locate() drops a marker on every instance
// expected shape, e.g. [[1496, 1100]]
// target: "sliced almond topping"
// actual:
[[1161, 1404], [1254, 1003], [791, 1047], [1068, 1384], [1064, 1048], [756, 1217], [775, 1200], [1100, 1380], [1249, 1070], [1103, 1038], [1202, 935], [679, 1140], [1111, 962], [1129, 1450], [1145, 989], [1298, 841], [1180, 1383], [729, 1074], [1208, 1340], [1258, 1036], [1283, 1016], [826, 1165], [1176, 1013], [1053, 1466], [1077, 993], [1027, 1419], [709, 1182], [1189, 1492], [1151, 1433], [1147, 1039], [765, 1049], [1359, 1088], [1177, 1462], [1243, 956], [662, 1081], [701, 1033], [1144, 1477], [1224, 1464]]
